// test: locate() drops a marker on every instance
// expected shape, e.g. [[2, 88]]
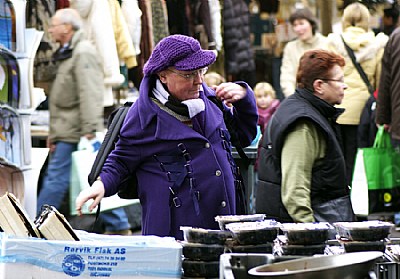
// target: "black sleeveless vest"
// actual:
[[328, 179]]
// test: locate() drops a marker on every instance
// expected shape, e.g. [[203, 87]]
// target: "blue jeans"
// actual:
[[56, 181], [56, 184], [115, 220]]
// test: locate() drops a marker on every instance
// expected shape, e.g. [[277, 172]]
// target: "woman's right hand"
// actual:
[[95, 192]]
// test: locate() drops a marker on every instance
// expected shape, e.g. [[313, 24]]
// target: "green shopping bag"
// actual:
[[376, 177], [382, 163]]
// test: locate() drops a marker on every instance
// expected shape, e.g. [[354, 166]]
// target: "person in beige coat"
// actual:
[[305, 26], [75, 103], [368, 50]]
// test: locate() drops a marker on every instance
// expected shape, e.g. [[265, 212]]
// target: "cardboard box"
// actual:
[[95, 256]]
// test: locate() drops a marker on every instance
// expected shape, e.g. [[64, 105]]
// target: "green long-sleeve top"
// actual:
[[304, 147]]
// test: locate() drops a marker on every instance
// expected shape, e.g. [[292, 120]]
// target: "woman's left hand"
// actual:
[[230, 92]]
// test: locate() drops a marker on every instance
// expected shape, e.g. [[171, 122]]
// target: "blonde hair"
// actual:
[[356, 14], [213, 78], [264, 88]]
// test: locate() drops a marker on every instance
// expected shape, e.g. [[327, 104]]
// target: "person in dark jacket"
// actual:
[[175, 139], [388, 102], [301, 163]]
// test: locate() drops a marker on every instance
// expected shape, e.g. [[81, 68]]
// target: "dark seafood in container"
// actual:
[[363, 231], [205, 236], [266, 248], [303, 250], [247, 233], [307, 233], [360, 246], [200, 268], [202, 252], [227, 219]]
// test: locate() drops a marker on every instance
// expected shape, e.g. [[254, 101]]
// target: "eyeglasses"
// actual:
[[192, 75], [55, 25], [331, 79]]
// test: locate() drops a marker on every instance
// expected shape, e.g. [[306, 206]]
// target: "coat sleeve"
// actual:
[[288, 71], [133, 16], [383, 110], [303, 146], [91, 87], [246, 117], [123, 40]]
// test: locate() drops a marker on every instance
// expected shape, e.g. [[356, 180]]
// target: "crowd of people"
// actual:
[[177, 137]]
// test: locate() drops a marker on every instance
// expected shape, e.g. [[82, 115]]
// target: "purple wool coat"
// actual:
[[185, 175]]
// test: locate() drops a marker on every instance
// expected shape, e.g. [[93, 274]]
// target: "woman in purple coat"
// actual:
[[175, 139]]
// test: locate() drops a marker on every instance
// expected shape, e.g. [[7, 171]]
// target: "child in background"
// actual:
[[213, 79], [266, 103]]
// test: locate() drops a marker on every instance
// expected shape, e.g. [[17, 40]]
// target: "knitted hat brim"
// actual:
[[197, 60]]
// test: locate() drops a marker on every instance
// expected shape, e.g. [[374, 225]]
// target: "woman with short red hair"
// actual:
[[301, 164]]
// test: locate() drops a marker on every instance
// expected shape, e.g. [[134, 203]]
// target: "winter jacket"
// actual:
[[291, 57], [97, 24], [185, 174], [132, 14], [238, 51], [126, 51], [76, 95], [368, 50], [388, 105], [327, 174]]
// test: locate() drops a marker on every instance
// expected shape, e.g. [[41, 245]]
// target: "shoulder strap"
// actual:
[[358, 67], [116, 118]]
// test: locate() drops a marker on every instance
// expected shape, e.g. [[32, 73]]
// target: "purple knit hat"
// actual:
[[182, 52]]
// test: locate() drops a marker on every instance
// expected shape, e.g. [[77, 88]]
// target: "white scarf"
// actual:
[[195, 106]]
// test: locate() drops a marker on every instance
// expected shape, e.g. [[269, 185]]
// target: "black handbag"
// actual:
[[128, 188]]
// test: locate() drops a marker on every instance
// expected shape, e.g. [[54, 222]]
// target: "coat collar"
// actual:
[[148, 112], [326, 109]]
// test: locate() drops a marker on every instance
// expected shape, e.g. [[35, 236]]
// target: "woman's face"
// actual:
[[183, 85], [333, 88], [303, 29]]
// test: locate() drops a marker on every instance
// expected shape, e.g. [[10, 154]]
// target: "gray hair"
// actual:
[[70, 16]]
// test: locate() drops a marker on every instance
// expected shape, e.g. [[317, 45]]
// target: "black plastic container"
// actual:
[[266, 248], [361, 246], [306, 233], [303, 250], [204, 236], [223, 220], [248, 233], [200, 268], [202, 252], [363, 231]]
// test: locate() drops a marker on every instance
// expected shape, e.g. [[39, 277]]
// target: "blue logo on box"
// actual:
[[73, 265]]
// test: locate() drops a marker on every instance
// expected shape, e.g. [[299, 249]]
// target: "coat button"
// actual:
[[223, 203], [218, 173], [207, 145]]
